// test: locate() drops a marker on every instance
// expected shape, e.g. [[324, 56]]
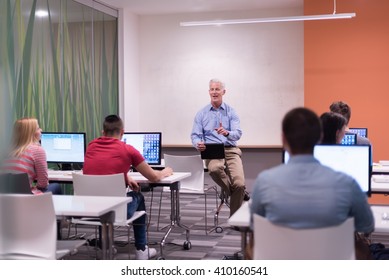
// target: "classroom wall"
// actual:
[[146, 79], [262, 65], [128, 45], [349, 60], [343, 60]]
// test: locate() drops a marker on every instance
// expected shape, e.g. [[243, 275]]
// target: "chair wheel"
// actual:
[[161, 258], [187, 245], [218, 229]]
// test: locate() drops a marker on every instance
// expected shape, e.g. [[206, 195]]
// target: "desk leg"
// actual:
[[110, 240], [178, 215], [107, 221], [104, 240], [244, 244], [175, 217]]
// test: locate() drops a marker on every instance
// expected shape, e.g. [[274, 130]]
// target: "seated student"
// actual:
[[109, 155], [344, 109], [303, 193], [27, 156], [334, 128]]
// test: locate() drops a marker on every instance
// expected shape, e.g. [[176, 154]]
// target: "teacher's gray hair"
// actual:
[[217, 81]]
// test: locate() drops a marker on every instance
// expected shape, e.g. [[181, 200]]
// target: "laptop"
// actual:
[[213, 151], [349, 139], [361, 131]]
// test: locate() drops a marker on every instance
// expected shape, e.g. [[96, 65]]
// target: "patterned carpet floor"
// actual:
[[204, 246]]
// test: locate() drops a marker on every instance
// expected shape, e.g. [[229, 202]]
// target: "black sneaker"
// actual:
[[94, 243], [246, 196]]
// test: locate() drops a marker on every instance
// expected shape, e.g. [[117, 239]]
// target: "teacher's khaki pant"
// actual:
[[229, 175]]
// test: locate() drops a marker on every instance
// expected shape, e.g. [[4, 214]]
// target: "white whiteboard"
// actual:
[[261, 64]]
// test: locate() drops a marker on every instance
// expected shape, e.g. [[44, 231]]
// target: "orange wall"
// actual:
[[348, 59]]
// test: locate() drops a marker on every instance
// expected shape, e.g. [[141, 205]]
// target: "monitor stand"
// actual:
[[66, 166], [70, 166]]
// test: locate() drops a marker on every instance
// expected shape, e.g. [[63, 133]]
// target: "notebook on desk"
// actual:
[[213, 151]]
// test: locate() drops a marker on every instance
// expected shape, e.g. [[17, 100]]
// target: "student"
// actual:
[[344, 109], [303, 193], [27, 156], [334, 128], [109, 155], [219, 123]]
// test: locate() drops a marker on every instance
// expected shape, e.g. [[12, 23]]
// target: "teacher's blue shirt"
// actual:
[[209, 118]]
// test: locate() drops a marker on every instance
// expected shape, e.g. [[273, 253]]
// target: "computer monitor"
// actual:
[[349, 139], [353, 160], [361, 131], [64, 148], [147, 143]]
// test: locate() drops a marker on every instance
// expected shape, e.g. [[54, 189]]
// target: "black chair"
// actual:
[[16, 183]]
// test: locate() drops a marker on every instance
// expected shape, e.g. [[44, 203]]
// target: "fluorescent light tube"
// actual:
[[271, 19]]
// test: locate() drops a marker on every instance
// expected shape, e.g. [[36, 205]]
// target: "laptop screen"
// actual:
[[360, 131], [349, 139], [353, 160], [147, 143], [64, 147]]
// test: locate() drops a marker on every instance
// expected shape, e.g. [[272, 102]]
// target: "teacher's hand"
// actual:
[[201, 146]]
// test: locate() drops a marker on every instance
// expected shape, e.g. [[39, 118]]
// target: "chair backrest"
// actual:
[[274, 242], [28, 227], [193, 164], [15, 183], [102, 185]]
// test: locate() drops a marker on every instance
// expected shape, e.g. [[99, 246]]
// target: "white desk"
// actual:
[[380, 169], [162, 165], [62, 176], [381, 224], [173, 182], [382, 187], [241, 219], [95, 207]]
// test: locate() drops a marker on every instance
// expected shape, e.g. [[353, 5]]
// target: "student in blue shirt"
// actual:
[[304, 193]]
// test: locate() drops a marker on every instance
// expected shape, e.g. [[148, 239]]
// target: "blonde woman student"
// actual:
[[27, 156]]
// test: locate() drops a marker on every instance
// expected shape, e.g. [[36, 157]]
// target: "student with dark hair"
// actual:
[[344, 109], [334, 127], [109, 155]]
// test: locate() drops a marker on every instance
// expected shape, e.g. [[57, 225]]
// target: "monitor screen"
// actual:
[[147, 143], [349, 139], [353, 160], [360, 131], [64, 147]]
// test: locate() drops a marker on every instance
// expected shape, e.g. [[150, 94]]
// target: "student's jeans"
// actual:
[[54, 188], [139, 225]]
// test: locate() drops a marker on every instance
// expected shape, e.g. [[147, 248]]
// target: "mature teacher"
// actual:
[[219, 123]]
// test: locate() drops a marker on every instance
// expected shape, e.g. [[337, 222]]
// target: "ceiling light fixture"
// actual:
[[334, 15], [41, 13]]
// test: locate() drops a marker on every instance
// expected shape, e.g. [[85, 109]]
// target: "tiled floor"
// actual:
[[211, 246]]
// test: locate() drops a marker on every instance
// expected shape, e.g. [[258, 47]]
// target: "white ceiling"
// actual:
[[150, 7]]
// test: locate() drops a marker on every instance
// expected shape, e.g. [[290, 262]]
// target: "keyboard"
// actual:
[[62, 175]]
